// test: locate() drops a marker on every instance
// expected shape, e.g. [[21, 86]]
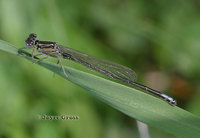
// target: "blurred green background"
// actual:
[[157, 39]]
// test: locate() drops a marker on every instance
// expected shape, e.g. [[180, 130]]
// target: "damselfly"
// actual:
[[113, 70]]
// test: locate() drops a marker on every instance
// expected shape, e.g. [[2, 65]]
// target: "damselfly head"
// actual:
[[30, 41]]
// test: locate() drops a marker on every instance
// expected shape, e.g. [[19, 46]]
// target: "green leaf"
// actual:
[[136, 104]]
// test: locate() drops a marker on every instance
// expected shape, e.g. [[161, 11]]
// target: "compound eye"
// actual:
[[33, 36], [30, 41]]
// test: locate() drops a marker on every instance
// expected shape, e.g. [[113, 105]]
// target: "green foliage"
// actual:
[[147, 36], [128, 100]]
